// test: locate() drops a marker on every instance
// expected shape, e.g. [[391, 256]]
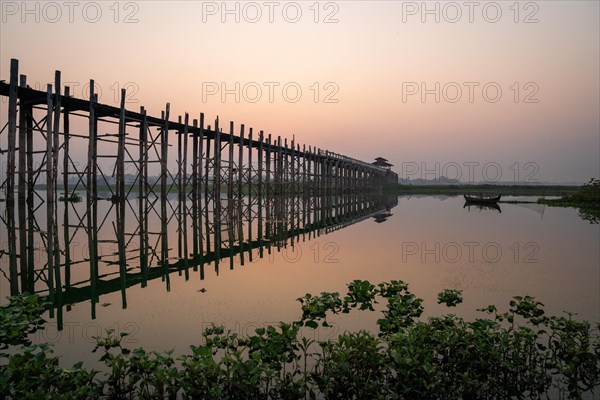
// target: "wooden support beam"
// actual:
[[21, 196], [230, 168], [164, 150], [66, 145], [260, 165], [240, 162], [12, 131], [121, 150]]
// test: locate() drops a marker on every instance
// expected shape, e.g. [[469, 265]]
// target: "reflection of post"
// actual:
[[304, 201], [67, 250], [58, 281], [120, 234], [268, 219], [217, 231]]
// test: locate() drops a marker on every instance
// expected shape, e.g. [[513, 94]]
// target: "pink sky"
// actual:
[[366, 59]]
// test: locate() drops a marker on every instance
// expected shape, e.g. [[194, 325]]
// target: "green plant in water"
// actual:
[[450, 297], [518, 353], [73, 198], [587, 199]]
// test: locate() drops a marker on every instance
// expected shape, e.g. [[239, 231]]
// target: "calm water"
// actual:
[[307, 245]]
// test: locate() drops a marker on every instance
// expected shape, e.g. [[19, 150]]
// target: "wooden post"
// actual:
[[179, 192], [66, 145], [195, 189], [185, 153], [30, 200], [49, 194], [121, 151], [292, 168], [21, 198], [184, 193], [91, 166], [217, 161], [260, 165], [56, 126], [10, 177], [249, 170], [230, 169], [279, 176], [250, 190], [240, 163], [309, 170], [12, 132], [164, 146], [304, 169], [286, 169], [22, 146], [260, 189], [142, 195], [200, 180], [268, 177], [164, 254], [207, 165], [57, 253]]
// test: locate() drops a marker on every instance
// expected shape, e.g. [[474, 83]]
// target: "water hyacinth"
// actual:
[[519, 353]]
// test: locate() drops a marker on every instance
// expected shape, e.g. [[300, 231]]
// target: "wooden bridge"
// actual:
[[218, 161], [223, 185]]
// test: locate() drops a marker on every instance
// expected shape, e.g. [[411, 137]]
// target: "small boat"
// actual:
[[482, 199]]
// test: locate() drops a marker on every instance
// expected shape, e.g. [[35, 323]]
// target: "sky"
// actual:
[[502, 91]]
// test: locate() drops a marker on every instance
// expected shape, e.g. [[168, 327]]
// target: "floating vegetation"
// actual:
[[73, 198], [518, 353], [587, 200]]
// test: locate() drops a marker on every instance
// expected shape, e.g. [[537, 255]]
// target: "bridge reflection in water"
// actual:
[[103, 247]]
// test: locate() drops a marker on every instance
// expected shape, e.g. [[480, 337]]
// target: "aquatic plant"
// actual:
[[586, 199], [518, 353]]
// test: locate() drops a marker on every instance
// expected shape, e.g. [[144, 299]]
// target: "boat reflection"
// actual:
[[482, 206]]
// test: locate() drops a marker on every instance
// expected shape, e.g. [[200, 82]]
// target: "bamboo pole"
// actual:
[[12, 131], [121, 151], [21, 195]]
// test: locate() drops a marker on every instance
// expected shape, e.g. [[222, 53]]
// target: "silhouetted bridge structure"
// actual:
[[223, 185]]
